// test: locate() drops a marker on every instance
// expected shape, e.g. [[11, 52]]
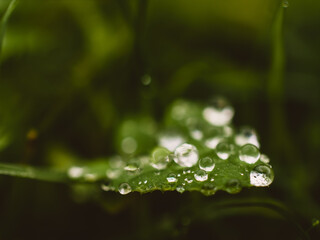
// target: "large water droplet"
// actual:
[[206, 164], [172, 178], [201, 175], [261, 176], [124, 188], [160, 158], [129, 145], [219, 112], [249, 153], [224, 150], [186, 155], [247, 135], [170, 140]]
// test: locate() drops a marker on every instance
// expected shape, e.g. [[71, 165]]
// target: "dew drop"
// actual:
[[90, 177], [261, 176], [249, 153], [247, 135], [129, 145], [113, 173], [188, 179], [219, 112], [264, 158], [224, 150], [180, 189], [75, 172], [160, 158], [146, 79], [212, 142], [186, 155], [206, 164], [170, 140], [201, 175], [233, 186], [196, 134], [131, 167], [208, 189], [172, 178], [124, 188]]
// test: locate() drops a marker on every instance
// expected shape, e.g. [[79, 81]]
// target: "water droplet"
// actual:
[[180, 189], [145, 181], [171, 178], [75, 172], [124, 188], [179, 175], [264, 158], [219, 112], [249, 153], [131, 167], [201, 175], [129, 145], [212, 142], [186, 155], [160, 158], [212, 179], [247, 135], [224, 150], [189, 171], [196, 134], [261, 176], [106, 187], [188, 179], [170, 140], [206, 164], [208, 189], [139, 182], [90, 177], [146, 79], [233, 186], [285, 4], [116, 162], [113, 173]]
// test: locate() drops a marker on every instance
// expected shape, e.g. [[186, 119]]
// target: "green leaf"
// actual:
[[4, 21], [198, 150]]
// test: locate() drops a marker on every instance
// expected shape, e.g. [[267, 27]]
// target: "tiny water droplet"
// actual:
[[261, 176], [113, 173], [139, 182], [171, 178], [233, 186], [249, 153], [188, 179], [219, 112], [179, 175], [146, 79], [201, 175], [180, 189], [196, 134], [186, 155], [106, 187], [90, 177], [285, 4], [160, 158], [75, 172], [264, 158], [129, 145], [131, 167], [124, 188], [208, 189], [224, 150], [145, 182], [206, 164], [212, 179]]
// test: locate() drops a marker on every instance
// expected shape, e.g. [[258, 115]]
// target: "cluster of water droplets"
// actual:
[[199, 142]]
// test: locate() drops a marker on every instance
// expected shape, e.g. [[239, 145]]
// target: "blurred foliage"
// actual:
[[72, 72]]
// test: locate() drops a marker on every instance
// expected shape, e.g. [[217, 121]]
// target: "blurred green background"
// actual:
[[72, 70]]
